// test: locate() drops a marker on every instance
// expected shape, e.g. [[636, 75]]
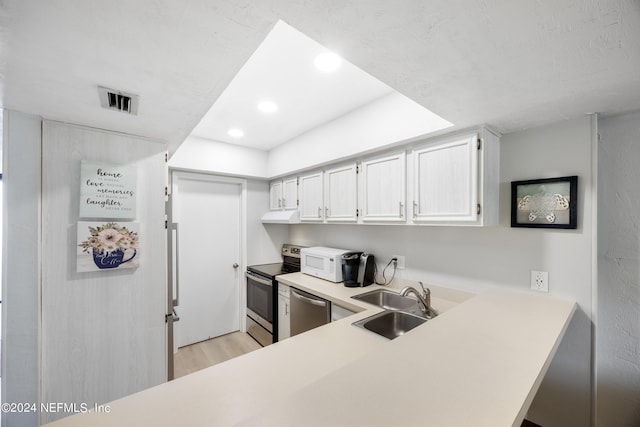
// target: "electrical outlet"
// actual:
[[400, 264], [540, 281]]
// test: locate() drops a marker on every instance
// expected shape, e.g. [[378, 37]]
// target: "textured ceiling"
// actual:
[[512, 64]]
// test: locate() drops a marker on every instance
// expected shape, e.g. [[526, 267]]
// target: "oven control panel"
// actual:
[[291, 250]]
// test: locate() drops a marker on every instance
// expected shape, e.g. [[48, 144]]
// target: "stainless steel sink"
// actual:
[[391, 324], [387, 299]]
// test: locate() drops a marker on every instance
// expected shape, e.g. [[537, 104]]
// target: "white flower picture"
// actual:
[[105, 246]]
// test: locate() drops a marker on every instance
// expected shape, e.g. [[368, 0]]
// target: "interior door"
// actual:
[[208, 213]]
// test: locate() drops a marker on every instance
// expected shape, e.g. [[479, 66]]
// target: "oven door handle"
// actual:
[[259, 279]]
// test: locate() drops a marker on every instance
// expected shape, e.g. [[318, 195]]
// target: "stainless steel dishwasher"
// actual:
[[308, 311]]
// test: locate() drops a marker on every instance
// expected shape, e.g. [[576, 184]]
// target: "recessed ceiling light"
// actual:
[[235, 133], [327, 62], [267, 107]]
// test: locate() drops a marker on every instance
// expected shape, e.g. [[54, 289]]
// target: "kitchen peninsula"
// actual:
[[479, 363]]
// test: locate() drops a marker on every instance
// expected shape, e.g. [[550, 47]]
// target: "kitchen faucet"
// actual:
[[424, 299]]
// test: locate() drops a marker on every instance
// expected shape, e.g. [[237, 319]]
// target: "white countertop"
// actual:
[[479, 363]]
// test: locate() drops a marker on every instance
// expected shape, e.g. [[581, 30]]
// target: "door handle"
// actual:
[[319, 303], [176, 297], [236, 265]]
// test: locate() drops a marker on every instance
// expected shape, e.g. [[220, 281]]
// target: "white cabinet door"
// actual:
[[275, 195], [383, 188], [341, 195], [284, 312], [283, 194], [290, 193], [446, 180], [311, 200]]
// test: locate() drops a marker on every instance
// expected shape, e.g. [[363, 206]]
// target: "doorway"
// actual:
[[209, 213]]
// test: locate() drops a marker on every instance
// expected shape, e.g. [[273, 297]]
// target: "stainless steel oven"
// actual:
[[260, 308], [262, 295]]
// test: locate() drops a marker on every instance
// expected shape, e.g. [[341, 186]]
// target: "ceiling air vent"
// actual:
[[118, 100]]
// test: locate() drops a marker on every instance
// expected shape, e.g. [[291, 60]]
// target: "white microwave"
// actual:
[[325, 263]]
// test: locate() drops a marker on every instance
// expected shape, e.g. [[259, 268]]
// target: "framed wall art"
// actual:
[[545, 203], [107, 246], [107, 190]]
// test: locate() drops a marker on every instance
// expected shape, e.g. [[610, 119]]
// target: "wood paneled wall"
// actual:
[[103, 333]]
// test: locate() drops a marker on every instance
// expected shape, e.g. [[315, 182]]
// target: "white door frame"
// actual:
[[177, 173]]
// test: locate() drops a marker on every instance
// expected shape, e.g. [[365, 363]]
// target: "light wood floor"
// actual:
[[201, 355]]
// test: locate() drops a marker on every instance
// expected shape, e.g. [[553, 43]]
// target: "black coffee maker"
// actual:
[[358, 269]]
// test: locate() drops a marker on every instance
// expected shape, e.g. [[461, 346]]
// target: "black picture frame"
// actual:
[[545, 203]]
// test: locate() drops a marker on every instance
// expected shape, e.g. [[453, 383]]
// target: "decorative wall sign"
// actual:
[[107, 246], [107, 190], [545, 203]]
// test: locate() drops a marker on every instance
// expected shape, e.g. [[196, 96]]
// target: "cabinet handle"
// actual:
[[284, 202], [319, 212], [400, 206], [279, 203], [326, 212], [415, 209], [286, 309]]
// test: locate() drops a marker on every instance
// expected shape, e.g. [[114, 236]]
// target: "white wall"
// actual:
[[200, 155], [21, 258], [264, 241], [103, 333], [203, 155], [388, 120], [618, 332], [480, 258]]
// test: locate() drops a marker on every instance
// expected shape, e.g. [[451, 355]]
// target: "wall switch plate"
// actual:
[[400, 264], [540, 281]]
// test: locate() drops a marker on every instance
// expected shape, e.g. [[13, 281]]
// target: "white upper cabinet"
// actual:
[[382, 189], [450, 185], [445, 180], [290, 193], [311, 197], [283, 194], [275, 195], [448, 180], [341, 196]]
